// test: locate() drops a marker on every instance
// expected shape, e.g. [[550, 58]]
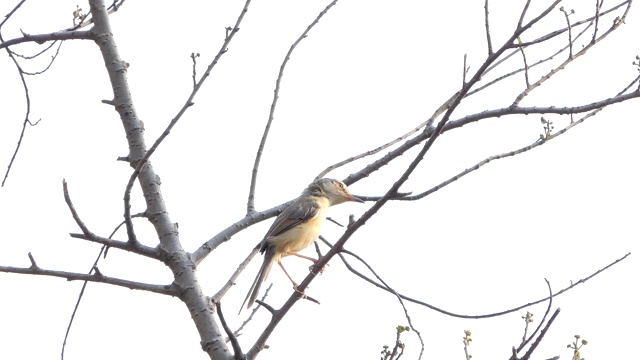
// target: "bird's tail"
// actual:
[[262, 274]]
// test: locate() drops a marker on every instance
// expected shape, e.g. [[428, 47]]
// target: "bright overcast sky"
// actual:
[[368, 72]]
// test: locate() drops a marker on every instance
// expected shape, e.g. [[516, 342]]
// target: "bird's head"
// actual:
[[334, 190]]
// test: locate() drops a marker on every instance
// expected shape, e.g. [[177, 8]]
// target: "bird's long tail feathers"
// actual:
[[262, 274]]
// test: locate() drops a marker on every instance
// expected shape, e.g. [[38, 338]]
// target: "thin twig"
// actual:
[[8, 16], [193, 75], [539, 62], [75, 308], [527, 355], [392, 291], [595, 30], [27, 111], [232, 280], [566, 16], [103, 250], [74, 213], [253, 312], [427, 127], [562, 30], [482, 316], [464, 69], [526, 67], [276, 93], [524, 11], [237, 350], [486, 25], [31, 57], [546, 313]]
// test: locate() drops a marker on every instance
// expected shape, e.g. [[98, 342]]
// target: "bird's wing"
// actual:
[[301, 211]]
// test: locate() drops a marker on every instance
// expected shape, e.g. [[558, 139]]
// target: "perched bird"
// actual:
[[297, 227]]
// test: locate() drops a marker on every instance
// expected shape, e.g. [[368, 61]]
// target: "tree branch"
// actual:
[[486, 25], [276, 92], [95, 277], [174, 256], [43, 38]]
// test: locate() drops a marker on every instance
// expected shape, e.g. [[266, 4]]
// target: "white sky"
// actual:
[[369, 72]]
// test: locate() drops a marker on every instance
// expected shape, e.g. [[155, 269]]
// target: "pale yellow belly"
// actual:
[[299, 237]]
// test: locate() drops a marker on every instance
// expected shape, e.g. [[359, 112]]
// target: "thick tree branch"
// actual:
[[174, 256]]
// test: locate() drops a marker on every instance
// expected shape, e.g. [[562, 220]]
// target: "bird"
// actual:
[[297, 227]]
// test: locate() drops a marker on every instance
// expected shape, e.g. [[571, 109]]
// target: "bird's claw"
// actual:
[[319, 272], [302, 294]]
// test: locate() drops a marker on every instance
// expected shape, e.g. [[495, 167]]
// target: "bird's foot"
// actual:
[[302, 294], [319, 272]]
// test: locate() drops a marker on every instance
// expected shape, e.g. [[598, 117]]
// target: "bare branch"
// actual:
[[75, 308], [33, 261], [427, 125], [237, 350], [541, 110], [524, 12], [253, 312], [138, 248], [548, 58], [546, 313], [561, 31], [276, 92], [486, 25], [8, 16], [527, 355], [97, 277], [441, 126], [53, 58], [226, 234], [511, 153], [43, 38], [526, 67], [595, 30], [74, 213], [232, 280], [103, 250], [27, 111], [483, 316], [389, 289], [385, 287], [566, 16], [193, 59]]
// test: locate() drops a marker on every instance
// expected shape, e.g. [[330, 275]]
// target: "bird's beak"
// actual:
[[353, 198]]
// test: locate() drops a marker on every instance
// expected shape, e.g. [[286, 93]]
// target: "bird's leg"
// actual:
[[295, 285], [302, 256], [310, 259]]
